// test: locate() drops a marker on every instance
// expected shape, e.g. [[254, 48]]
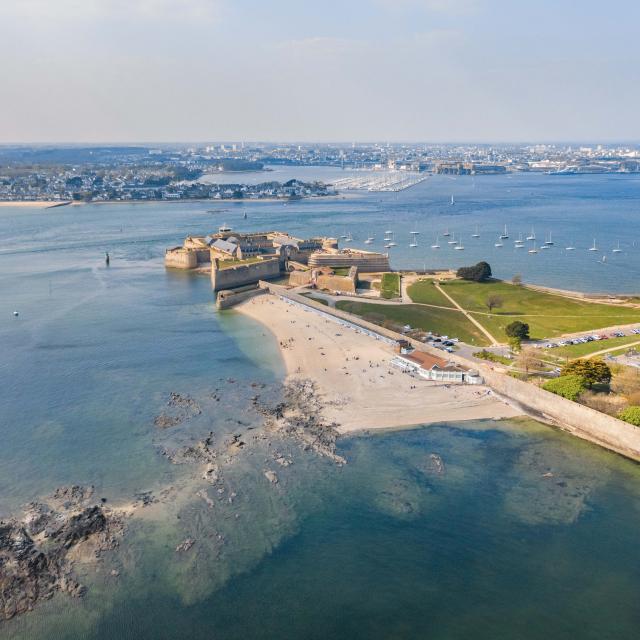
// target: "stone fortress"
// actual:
[[241, 259]]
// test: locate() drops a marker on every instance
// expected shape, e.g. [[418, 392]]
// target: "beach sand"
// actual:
[[34, 204], [360, 388]]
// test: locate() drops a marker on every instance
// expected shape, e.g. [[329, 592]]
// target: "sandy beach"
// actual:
[[359, 387], [34, 204]]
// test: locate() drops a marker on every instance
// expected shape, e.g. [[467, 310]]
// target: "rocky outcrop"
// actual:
[[34, 549]]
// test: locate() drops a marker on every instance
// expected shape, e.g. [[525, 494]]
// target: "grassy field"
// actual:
[[548, 315], [390, 285], [450, 323], [424, 291]]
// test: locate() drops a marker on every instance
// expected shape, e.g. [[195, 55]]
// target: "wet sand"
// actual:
[[359, 387]]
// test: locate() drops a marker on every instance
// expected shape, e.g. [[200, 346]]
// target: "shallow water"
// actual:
[[384, 547]]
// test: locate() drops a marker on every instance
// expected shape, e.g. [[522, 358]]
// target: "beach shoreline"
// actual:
[[360, 389]]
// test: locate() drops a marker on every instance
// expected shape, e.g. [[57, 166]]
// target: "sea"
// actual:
[[519, 531]]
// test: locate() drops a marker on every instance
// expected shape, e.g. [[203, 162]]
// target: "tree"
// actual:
[[493, 301], [527, 359], [517, 329], [515, 344], [631, 415], [569, 387], [516, 280], [480, 272], [593, 371]]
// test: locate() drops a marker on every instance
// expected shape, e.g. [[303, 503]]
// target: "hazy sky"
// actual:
[[326, 70]]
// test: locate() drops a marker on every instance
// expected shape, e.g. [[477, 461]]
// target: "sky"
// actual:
[[319, 70]]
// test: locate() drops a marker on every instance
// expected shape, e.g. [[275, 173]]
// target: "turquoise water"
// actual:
[[382, 548]]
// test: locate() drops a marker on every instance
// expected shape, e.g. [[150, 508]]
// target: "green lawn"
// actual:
[[425, 292], [390, 285], [312, 297], [547, 314], [450, 323]]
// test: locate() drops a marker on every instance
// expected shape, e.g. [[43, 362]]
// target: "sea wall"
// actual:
[[583, 422], [239, 275], [228, 298]]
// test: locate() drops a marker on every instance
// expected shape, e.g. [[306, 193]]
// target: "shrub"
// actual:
[[569, 386], [631, 415], [478, 272], [592, 371], [517, 329]]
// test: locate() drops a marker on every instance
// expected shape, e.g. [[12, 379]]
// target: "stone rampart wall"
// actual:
[[244, 274]]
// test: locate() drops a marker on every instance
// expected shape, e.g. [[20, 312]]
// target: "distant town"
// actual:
[[180, 172]]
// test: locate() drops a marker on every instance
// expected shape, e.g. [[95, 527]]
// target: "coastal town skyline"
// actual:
[[437, 70]]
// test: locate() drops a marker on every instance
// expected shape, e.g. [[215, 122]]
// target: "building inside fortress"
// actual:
[[238, 259]]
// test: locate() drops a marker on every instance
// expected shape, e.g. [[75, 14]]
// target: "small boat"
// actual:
[[499, 243], [570, 248], [224, 229], [16, 313], [505, 235], [549, 242], [436, 245], [545, 246], [476, 234], [617, 249], [368, 241], [532, 235], [593, 247], [459, 246], [533, 249]]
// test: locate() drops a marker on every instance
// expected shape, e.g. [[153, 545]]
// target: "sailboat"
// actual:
[[519, 243], [617, 249], [476, 234], [349, 238], [436, 245], [570, 247], [391, 242], [459, 246], [532, 235], [369, 240], [413, 242], [549, 242], [505, 235], [593, 248], [452, 201], [245, 215], [453, 239], [446, 234], [499, 243], [533, 249], [415, 233]]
